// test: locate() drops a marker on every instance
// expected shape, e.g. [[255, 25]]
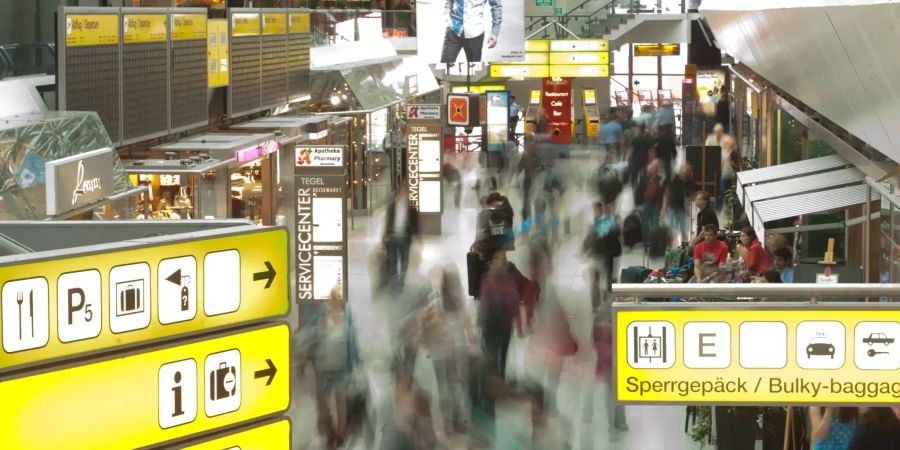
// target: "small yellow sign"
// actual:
[[478, 88], [579, 71], [150, 398], [245, 24], [188, 26], [217, 52], [758, 354], [99, 301], [142, 28], [657, 49], [537, 45], [579, 58], [274, 23], [274, 436], [536, 58], [535, 97], [95, 29], [299, 23], [520, 70]]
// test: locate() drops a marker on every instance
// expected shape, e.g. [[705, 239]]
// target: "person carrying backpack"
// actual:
[[602, 246]]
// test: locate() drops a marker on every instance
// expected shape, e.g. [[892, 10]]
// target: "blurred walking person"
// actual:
[[401, 228], [449, 334], [602, 246], [336, 356]]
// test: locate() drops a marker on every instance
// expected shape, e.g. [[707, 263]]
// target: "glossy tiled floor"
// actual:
[[651, 427]]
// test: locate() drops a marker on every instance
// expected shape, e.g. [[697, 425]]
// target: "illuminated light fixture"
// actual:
[[335, 100]]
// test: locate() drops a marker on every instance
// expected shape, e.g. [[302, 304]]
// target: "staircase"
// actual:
[[587, 20]]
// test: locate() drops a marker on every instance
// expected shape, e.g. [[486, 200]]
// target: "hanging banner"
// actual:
[[733, 354], [557, 103], [321, 253]]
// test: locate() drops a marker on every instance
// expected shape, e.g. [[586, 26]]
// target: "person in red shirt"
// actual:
[[709, 254], [753, 253]]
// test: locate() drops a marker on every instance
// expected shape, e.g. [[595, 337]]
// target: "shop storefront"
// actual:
[[234, 173]]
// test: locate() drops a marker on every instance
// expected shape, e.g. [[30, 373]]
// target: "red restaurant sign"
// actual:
[[557, 103]]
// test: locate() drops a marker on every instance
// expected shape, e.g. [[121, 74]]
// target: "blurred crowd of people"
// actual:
[[463, 321]]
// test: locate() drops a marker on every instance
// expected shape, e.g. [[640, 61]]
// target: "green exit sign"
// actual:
[[543, 2], [557, 11]]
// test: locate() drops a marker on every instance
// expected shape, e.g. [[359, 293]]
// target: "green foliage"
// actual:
[[702, 428]]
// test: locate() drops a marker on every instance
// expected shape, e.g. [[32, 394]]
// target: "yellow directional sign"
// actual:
[[579, 71], [274, 23], [142, 28], [101, 300], [758, 354], [579, 58], [150, 398], [92, 29], [298, 23], [188, 27], [579, 45], [520, 70], [245, 24], [274, 436]]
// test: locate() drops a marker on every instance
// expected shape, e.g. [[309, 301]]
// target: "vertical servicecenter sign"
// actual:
[[321, 255]]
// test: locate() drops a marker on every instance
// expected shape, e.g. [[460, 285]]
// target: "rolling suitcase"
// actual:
[[658, 241], [474, 269], [631, 230]]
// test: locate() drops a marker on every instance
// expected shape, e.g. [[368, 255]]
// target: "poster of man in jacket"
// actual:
[[451, 31]]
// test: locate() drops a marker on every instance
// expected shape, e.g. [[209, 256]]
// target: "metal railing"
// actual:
[[17, 59], [749, 291], [331, 26]]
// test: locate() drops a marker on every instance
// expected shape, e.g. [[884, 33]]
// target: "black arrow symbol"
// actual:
[[269, 372], [175, 277], [268, 275]]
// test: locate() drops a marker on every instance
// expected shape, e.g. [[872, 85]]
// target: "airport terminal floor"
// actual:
[[579, 418]]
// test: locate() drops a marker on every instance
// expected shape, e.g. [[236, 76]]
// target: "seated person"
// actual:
[[753, 253], [784, 264], [709, 254], [705, 217]]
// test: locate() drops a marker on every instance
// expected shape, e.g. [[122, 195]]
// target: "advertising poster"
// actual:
[[710, 86], [321, 254], [450, 31], [558, 106], [497, 120]]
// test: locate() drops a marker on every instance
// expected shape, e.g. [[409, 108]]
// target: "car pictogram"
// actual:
[[820, 346], [878, 338]]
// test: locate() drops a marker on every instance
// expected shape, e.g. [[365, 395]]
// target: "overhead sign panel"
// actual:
[[579, 71], [520, 70], [78, 304], [579, 45], [757, 354], [150, 398], [579, 58], [273, 436]]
